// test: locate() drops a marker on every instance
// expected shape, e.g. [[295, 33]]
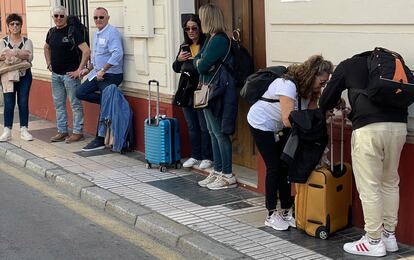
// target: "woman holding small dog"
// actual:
[[15, 48]]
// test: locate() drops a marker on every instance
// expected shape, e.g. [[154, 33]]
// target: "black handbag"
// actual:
[[184, 94]]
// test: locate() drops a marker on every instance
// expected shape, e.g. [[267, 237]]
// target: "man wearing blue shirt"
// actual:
[[106, 66]]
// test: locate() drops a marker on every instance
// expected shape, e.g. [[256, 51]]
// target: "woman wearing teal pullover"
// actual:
[[221, 112]]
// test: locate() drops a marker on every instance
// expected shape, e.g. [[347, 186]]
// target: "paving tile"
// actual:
[[278, 244], [262, 253], [93, 153], [210, 229], [252, 249], [311, 257]]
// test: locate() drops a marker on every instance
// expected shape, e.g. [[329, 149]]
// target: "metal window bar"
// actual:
[[78, 8]]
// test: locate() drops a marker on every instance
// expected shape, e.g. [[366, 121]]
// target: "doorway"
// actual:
[[249, 19]]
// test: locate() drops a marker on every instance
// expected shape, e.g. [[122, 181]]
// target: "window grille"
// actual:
[[77, 8]]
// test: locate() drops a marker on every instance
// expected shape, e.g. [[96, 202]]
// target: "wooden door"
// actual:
[[239, 14]]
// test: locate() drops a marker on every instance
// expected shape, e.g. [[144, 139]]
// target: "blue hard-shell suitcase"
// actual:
[[162, 137]]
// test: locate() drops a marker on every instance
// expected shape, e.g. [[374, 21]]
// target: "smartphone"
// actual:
[[185, 47]]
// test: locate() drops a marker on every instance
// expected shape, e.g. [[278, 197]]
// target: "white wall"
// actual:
[[145, 57], [338, 29]]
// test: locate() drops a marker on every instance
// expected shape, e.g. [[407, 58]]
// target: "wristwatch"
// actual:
[[103, 70]]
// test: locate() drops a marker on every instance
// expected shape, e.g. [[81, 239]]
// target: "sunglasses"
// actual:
[[194, 29], [61, 16], [99, 17], [14, 24]]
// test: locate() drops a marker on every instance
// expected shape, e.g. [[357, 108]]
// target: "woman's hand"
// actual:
[[341, 104], [183, 56], [9, 53]]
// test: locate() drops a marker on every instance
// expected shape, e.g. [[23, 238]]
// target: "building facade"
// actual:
[[275, 31]]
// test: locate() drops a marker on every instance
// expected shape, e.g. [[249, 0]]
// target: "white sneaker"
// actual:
[[210, 179], [363, 247], [190, 163], [25, 135], [277, 221], [222, 182], [6, 136], [289, 218], [205, 164], [390, 241]]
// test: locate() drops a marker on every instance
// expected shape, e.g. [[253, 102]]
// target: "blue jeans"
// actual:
[[221, 143], [87, 91], [21, 90], [63, 86], [199, 136]]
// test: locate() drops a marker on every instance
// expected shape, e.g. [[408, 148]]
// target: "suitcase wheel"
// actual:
[[322, 232], [148, 165], [163, 168], [178, 165]]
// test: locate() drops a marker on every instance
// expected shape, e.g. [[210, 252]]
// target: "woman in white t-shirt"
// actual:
[[270, 127]]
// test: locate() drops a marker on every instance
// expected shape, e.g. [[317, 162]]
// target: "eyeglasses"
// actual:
[[61, 16], [323, 82], [194, 29], [100, 17], [14, 24]]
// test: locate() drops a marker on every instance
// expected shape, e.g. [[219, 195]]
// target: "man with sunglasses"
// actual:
[[106, 66], [66, 62]]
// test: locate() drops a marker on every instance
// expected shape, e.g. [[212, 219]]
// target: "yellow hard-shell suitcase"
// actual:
[[323, 204]]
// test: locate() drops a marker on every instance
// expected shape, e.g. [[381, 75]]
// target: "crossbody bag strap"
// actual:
[[221, 63], [202, 77]]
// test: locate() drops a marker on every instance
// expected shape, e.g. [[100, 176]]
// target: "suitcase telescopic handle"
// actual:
[[153, 81], [342, 140]]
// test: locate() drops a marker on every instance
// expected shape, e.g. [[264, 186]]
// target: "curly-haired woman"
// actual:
[[270, 126]]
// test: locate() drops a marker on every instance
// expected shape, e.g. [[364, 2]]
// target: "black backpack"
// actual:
[[242, 62], [258, 83], [391, 82], [74, 25]]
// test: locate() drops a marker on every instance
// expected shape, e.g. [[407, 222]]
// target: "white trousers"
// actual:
[[376, 150]]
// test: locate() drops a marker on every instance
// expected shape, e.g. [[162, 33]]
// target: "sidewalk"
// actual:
[[224, 224]]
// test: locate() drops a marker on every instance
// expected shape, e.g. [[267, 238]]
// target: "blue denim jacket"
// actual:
[[115, 108]]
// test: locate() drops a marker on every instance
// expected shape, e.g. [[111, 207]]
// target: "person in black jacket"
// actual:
[[379, 134], [201, 151]]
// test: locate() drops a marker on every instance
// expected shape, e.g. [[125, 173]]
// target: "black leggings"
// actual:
[[276, 170]]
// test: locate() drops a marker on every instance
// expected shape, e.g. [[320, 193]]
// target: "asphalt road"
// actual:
[[39, 222]]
